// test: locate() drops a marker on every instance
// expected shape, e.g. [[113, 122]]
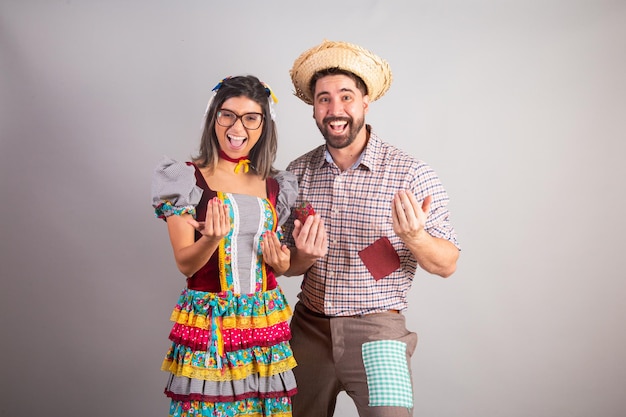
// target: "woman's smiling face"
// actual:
[[237, 141]]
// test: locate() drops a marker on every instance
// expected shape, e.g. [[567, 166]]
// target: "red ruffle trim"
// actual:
[[231, 398], [234, 339]]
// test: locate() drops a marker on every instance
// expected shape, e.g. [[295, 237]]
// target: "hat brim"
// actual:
[[373, 70]]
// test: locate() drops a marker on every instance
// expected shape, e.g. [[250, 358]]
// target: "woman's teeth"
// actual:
[[236, 141]]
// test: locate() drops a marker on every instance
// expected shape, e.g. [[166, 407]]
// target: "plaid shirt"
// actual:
[[356, 208]]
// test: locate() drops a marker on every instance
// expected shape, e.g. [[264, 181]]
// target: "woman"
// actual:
[[230, 352]]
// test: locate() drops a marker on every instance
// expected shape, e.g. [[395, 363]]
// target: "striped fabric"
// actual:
[[356, 208]]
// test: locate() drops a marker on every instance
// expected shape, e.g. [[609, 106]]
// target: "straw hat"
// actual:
[[373, 70]]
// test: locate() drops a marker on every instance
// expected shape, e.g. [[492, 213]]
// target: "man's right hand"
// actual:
[[311, 244]]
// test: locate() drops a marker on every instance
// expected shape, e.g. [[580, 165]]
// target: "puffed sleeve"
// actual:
[[174, 189], [286, 199]]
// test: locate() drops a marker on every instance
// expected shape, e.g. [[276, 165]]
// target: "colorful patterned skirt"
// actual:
[[230, 355]]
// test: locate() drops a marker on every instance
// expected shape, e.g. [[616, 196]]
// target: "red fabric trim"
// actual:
[[231, 398], [207, 277], [223, 155], [272, 190]]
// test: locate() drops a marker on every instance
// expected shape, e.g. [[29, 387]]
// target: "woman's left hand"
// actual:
[[275, 254]]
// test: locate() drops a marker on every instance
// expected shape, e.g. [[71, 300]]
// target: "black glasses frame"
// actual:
[[239, 117]]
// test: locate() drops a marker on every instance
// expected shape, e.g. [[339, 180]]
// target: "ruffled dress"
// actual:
[[230, 352]]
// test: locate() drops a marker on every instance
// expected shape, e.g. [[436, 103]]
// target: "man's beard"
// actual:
[[345, 140]]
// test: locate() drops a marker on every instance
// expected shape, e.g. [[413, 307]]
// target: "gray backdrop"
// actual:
[[518, 105]]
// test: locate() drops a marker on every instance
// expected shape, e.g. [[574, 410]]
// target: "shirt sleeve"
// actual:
[[287, 194], [438, 223], [174, 189]]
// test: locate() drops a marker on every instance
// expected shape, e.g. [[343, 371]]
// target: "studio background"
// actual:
[[518, 105]]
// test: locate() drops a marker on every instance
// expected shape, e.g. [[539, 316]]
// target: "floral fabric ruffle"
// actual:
[[277, 407]]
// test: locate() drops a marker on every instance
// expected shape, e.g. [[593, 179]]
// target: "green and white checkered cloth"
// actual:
[[388, 377]]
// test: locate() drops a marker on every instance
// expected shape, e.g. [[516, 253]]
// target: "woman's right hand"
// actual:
[[217, 222]]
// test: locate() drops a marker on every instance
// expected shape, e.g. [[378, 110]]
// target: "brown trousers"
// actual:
[[328, 352]]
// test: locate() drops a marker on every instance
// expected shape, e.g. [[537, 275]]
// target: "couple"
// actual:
[[355, 217]]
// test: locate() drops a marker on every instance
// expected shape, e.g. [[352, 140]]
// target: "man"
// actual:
[[379, 213]]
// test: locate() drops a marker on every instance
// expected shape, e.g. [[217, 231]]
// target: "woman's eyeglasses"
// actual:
[[250, 121]]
